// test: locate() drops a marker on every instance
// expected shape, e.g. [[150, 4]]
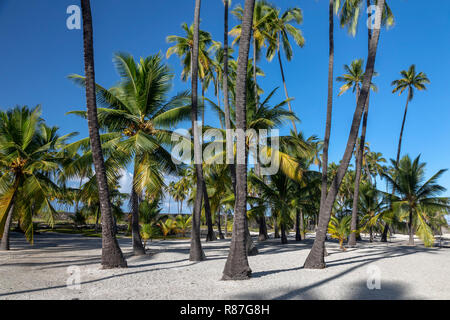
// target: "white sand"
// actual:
[[41, 272]]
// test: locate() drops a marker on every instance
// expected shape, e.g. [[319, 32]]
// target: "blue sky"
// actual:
[[38, 52]]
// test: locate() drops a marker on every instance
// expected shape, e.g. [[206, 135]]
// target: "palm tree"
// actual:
[[374, 167], [139, 111], [326, 141], [28, 160], [183, 223], [349, 18], [196, 251], [372, 207], [415, 198], [281, 25], [339, 229], [352, 79], [277, 194], [315, 259], [236, 267], [410, 80], [183, 48], [112, 256]]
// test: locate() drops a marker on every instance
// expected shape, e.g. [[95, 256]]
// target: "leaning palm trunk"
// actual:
[[112, 256], [359, 160], [4, 245], [236, 267], [196, 251], [315, 259]]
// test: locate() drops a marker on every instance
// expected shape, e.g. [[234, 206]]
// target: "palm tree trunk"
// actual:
[[211, 235], [403, 126], [236, 267], [219, 227], [275, 228], [285, 88], [359, 158], [4, 245], [315, 259], [283, 234], [411, 229], [262, 229], [298, 236], [138, 248], [226, 222], [302, 227], [254, 74], [226, 101], [196, 252], [326, 140], [251, 247], [112, 256]]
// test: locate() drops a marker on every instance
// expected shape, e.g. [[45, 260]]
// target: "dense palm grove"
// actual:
[[131, 126]]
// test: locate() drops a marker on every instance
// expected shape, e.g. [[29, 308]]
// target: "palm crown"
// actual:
[[410, 80]]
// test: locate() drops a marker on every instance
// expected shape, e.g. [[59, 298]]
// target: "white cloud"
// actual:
[[125, 181]]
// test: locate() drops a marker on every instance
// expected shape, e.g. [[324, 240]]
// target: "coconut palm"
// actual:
[[167, 227], [112, 256], [236, 267], [139, 110], [277, 194], [416, 198], [281, 28], [183, 48], [28, 161], [410, 80], [183, 223], [372, 207], [196, 251], [350, 12], [373, 161], [340, 229], [315, 259]]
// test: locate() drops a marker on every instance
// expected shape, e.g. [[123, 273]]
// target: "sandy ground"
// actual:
[[42, 271]]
